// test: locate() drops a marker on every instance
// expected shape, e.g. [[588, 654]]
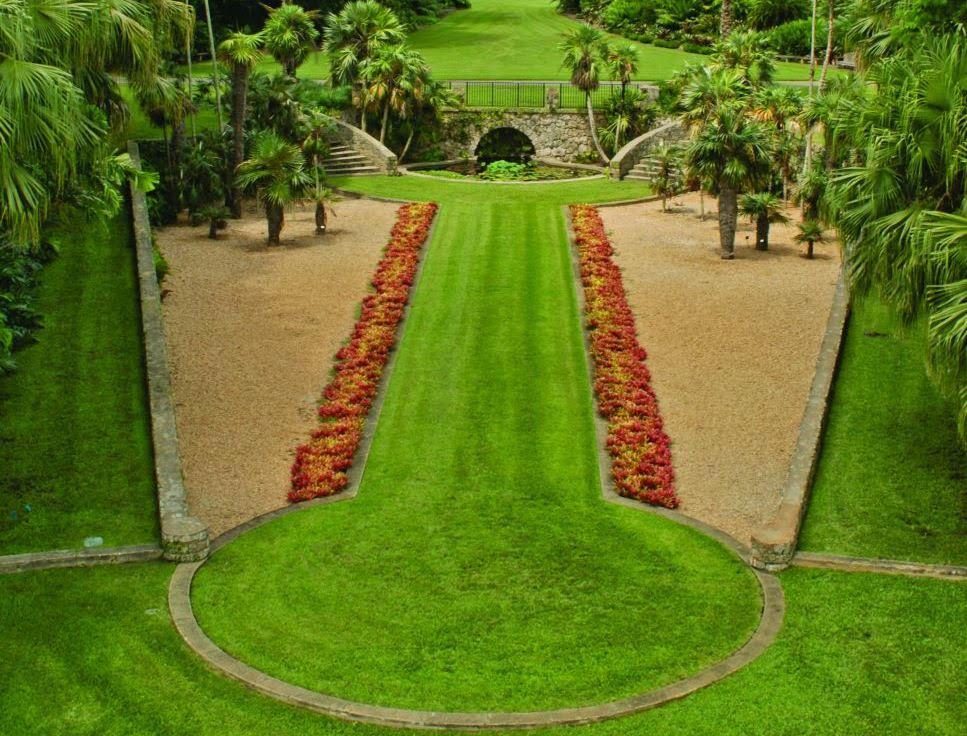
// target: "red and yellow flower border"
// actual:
[[641, 462], [321, 464]]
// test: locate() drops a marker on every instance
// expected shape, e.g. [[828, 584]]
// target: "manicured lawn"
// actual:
[[74, 435], [93, 653], [513, 39], [479, 568], [141, 128], [892, 481]]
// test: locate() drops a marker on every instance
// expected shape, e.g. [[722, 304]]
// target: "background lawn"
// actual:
[[513, 39], [74, 434], [479, 568], [892, 480], [93, 653]]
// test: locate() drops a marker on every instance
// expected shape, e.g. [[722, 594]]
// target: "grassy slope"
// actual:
[[74, 435], [858, 654], [513, 39], [893, 480], [479, 568]]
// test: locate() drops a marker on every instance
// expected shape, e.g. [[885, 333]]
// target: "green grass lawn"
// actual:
[[74, 435], [93, 653], [892, 481], [479, 568], [513, 39], [140, 128]]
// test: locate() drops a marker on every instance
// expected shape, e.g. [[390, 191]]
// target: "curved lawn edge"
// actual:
[[183, 617]]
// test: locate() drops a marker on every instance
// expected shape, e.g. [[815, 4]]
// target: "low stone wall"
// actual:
[[625, 160], [562, 135], [375, 152], [184, 538], [774, 545]]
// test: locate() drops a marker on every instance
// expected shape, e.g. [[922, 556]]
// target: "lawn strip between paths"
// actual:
[[188, 627]]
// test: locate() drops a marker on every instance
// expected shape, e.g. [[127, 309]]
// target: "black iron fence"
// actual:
[[562, 95]]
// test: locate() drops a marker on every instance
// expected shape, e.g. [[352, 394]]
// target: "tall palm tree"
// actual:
[[585, 54], [356, 33], [623, 61], [290, 35], [708, 89], [727, 20], [749, 53], [216, 82], [391, 76], [277, 169], [763, 209], [830, 32], [242, 52], [731, 151], [427, 107], [315, 145]]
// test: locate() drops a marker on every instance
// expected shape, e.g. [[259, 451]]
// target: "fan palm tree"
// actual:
[[623, 61], [315, 145], [585, 55], [356, 33], [427, 107], [747, 52], [763, 209], [277, 169], [731, 151], [290, 34], [391, 76], [242, 52], [666, 180], [708, 89], [810, 233]]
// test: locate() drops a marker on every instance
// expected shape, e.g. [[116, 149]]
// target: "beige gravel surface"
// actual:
[[252, 332], [732, 349]]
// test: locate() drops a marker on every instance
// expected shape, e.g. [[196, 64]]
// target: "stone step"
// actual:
[[344, 170]]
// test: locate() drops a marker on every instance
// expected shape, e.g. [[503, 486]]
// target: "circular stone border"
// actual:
[[183, 617]]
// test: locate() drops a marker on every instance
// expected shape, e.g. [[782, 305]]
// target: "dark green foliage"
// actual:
[[504, 144]]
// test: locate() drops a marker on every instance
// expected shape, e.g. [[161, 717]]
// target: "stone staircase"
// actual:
[[644, 170], [345, 160]]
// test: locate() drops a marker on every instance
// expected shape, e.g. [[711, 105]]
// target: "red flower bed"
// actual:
[[641, 461], [321, 464]]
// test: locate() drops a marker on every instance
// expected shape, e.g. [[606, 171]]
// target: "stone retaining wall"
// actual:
[[184, 538], [626, 159], [375, 152]]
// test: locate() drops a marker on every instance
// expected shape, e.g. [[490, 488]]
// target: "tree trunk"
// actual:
[[728, 214], [701, 201], [240, 76], [275, 216], [211, 47], [409, 140], [289, 68], [594, 128], [809, 249], [213, 228], [727, 22], [762, 232], [385, 125], [828, 59], [321, 222]]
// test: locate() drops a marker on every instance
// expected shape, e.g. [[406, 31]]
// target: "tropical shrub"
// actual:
[[641, 463], [321, 465]]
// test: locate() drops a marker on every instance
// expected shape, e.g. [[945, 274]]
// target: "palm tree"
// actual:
[[749, 53], [290, 35], [216, 82], [316, 147], [731, 151], [727, 20], [242, 52], [810, 232], [764, 209], [356, 33], [585, 52], [393, 75], [666, 181], [277, 170], [623, 61], [830, 27], [706, 90]]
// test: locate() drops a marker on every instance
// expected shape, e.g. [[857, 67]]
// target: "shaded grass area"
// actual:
[[93, 653], [479, 568], [74, 429], [140, 127], [513, 39], [892, 480]]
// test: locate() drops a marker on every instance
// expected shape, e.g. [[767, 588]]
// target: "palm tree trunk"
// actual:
[[321, 221], [240, 77], [594, 128], [827, 60], [406, 148], [726, 22], [385, 125], [701, 201], [275, 216], [211, 46], [762, 232], [728, 214], [809, 249], [213, 228]]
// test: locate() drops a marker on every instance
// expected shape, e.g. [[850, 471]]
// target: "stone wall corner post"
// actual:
[[184, 538]]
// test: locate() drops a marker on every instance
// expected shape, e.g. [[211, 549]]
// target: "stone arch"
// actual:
[[507, 142]]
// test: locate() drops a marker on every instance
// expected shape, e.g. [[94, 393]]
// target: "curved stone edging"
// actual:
[[183, 617], [573, 179]]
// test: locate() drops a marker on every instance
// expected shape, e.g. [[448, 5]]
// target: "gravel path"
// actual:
[[252, 332], [732, 348]]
